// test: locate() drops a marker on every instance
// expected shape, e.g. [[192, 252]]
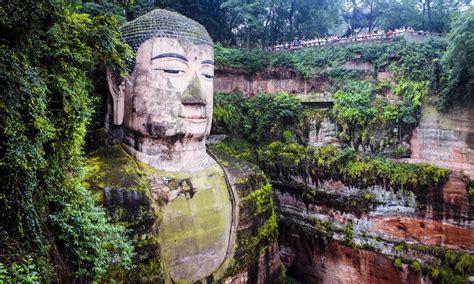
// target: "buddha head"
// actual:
[[165, 103]]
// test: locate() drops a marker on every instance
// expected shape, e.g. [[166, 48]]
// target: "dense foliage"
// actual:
[[369, 120], [262, 23], [370, 113], [414, 59], [46, 52], [458, 62], [260, 118], [365, 116]]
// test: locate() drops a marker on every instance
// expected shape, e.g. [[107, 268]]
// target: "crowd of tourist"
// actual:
[[358, 37]]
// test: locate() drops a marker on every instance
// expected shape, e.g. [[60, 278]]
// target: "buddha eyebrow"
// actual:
[[208, 61], [170, 55]]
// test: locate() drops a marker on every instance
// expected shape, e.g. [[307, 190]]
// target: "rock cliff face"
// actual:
[[279, 80], [337, 233], [270, 81], [446, 138], [397, 237]]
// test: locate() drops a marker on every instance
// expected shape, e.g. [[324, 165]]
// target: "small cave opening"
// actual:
[[422, 225], [401, 228]]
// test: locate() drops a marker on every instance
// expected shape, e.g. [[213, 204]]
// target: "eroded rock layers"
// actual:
[[336, 233]]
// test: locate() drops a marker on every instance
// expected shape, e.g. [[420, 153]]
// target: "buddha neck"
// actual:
[[172, 156]]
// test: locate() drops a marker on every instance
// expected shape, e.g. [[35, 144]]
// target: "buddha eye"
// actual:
[[207, 76], [172, 71]]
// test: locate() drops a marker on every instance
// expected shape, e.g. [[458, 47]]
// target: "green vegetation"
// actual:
[[414, 59], [362, 202], [397, 262], [280, 160], [458, 76], [257, 119], [469, 184], [363, 108], [369, 122], [439, 263], [256, 24], [256, 211], [46, 52], [23, 272], [449, 266], [113, 167]]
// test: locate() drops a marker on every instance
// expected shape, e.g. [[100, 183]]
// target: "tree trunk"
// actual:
[[428, 7], [264, 36], [424, 11], [249, 32], [290, 18]]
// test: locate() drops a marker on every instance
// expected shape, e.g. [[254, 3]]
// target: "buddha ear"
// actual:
[[118, 96]]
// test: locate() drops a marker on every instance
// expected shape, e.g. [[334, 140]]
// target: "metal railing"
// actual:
[[360, 39]]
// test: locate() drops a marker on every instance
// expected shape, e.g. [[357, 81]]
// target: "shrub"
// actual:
[[22, 272], [259, 119]]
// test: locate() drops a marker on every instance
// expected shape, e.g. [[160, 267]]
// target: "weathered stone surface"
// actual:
[[324, 134], [166, 116], [337, 240], [279, 80], [269, 267], [270, 81], [313, 259], [445, 139], [197, 220], [256, 258], [195, 225]]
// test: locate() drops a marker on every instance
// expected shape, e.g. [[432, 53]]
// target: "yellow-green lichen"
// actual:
[[113, 167], [197, 228]]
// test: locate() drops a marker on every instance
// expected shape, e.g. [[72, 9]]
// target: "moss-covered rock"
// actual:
[[257, 227], [120, 183]]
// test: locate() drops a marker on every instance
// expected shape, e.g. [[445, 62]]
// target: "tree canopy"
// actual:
[[263, 23], [458, 62]]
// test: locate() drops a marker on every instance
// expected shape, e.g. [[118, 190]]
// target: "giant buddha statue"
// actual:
[[164, 107]]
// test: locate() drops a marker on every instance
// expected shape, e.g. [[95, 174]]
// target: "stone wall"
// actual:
[[269, 81], [278, 80], [446, 139], [319, 260]]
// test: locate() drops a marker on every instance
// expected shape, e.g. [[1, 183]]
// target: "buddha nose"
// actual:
[[193, 94]]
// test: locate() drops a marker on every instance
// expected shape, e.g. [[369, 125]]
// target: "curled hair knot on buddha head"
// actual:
[[162, 23]]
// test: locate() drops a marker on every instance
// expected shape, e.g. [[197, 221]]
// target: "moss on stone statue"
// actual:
[[123, 185], [257, 220], [113, 167], [198, 226], [147, 264], [120, 184]]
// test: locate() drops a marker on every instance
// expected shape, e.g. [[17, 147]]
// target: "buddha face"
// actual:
[[169, 95]]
